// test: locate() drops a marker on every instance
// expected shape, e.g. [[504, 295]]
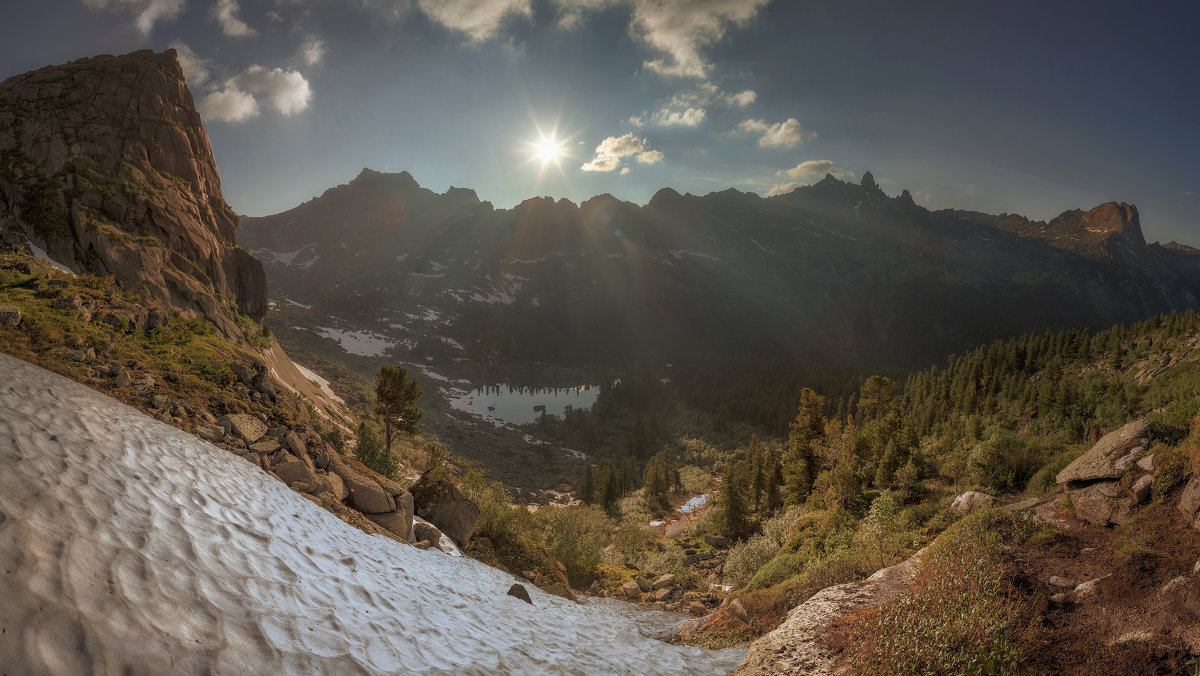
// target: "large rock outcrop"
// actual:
[[1093, 480], [104, 163], [442, 504]]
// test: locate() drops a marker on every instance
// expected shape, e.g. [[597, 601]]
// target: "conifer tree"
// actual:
[[800, 461], [587, 486]]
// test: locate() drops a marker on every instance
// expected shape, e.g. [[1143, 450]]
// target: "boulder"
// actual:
[[1147, 463], [716, 541], [294, 470], [265, 447], [335, 485], [10, 315], [664, 581], [442, 504], [697, 608], [247, 426], [295, 444], [664, 593], [1189, 502], [1109, 457], [426, 531], [210, 432], [1141, 488], [644, 584], [365, 494], [631, 589], [520, 592], [397, 523], [1101, 503], [972, 501]]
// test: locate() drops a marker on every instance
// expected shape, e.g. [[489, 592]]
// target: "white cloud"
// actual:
[[638, 120], [679, 28], [226, 12], [148, 12], [228, 105], [807, 173], [312, 52], [650, 157], [778, 135], [612, 149], [690, 117], [625, 170], [195, 69], [479, 19], [741, 99], [287, 91], [602, 163]]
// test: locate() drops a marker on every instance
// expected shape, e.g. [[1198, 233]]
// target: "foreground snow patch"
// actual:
[[129, 546]]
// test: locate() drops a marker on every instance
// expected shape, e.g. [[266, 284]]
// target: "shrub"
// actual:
[[577, 536], [963, 614]]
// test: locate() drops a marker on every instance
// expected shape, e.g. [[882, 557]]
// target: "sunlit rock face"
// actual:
[[105, 164]]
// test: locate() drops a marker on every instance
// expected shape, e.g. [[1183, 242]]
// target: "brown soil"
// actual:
[[1127, 623]]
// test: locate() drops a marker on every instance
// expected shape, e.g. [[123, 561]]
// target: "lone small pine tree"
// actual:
[[396, 394]]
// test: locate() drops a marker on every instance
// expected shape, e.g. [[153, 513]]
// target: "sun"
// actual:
[[547, 150]]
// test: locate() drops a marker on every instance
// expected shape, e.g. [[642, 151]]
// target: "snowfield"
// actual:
[[127, 546]]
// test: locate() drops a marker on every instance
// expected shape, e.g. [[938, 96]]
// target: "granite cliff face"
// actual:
[[104, 164]]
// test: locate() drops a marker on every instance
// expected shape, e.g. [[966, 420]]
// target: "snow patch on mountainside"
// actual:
[[130, 546]]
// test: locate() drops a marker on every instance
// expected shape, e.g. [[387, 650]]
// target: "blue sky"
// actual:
[[1025, 107]]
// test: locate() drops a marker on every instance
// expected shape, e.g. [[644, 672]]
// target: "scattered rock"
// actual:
[[265, 447], [663, 594], [426, 531], [210, 432], [644, 584], [442, 504], [423, 544], [1146, 464], [294, 470], [122, 378], [716, 541], [560, 590], [664, 581], [1173, 585], [295, 444], [246, 426], [1108, 458], [9, 315], [631, 589], [1057, 581], [1189, 502], [520, 592], [365, 493], [397, 524], [738, 609], [1141, 489], [697, 608], [972, 501], [1101, 503]]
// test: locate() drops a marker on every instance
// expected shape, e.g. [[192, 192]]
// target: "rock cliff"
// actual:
[[104, 163]]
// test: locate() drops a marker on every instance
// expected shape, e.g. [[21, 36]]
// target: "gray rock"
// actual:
[[210, 432], [1101, 503], [122, 378], [442, 504], [247, 426], [1057, 581], [972, 501], [645, 584], [294, 443], [396, 523], [265, 447], [1108, 458], [663, 594], [1141, 488], [664, 581], [424, 531], [1174, 585], [1189, 502], [294, 470], [716, 541], [10, 315], [631, 589], [1146, 464], [365, 494], [520, 592]]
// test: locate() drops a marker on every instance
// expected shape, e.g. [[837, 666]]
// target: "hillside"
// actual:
[[833, 272]]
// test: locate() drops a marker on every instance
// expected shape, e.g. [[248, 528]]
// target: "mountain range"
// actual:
[[834, 271]]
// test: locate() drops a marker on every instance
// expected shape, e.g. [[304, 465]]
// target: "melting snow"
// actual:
[[131, 546], [694, 504], [361, 343], [321, 382], [41, 253]]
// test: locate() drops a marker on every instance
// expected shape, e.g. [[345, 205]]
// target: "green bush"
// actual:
[[577, 536]]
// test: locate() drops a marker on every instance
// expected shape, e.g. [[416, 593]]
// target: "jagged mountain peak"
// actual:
[[109, 169]]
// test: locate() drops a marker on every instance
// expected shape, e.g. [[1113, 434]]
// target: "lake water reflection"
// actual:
[[518, 405]]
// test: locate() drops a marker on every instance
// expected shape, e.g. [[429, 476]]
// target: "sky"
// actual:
[[1020, 107]]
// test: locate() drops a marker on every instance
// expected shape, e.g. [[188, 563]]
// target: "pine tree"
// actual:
[[733, 502], [396, 394], [587, 486], [800, 460]]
